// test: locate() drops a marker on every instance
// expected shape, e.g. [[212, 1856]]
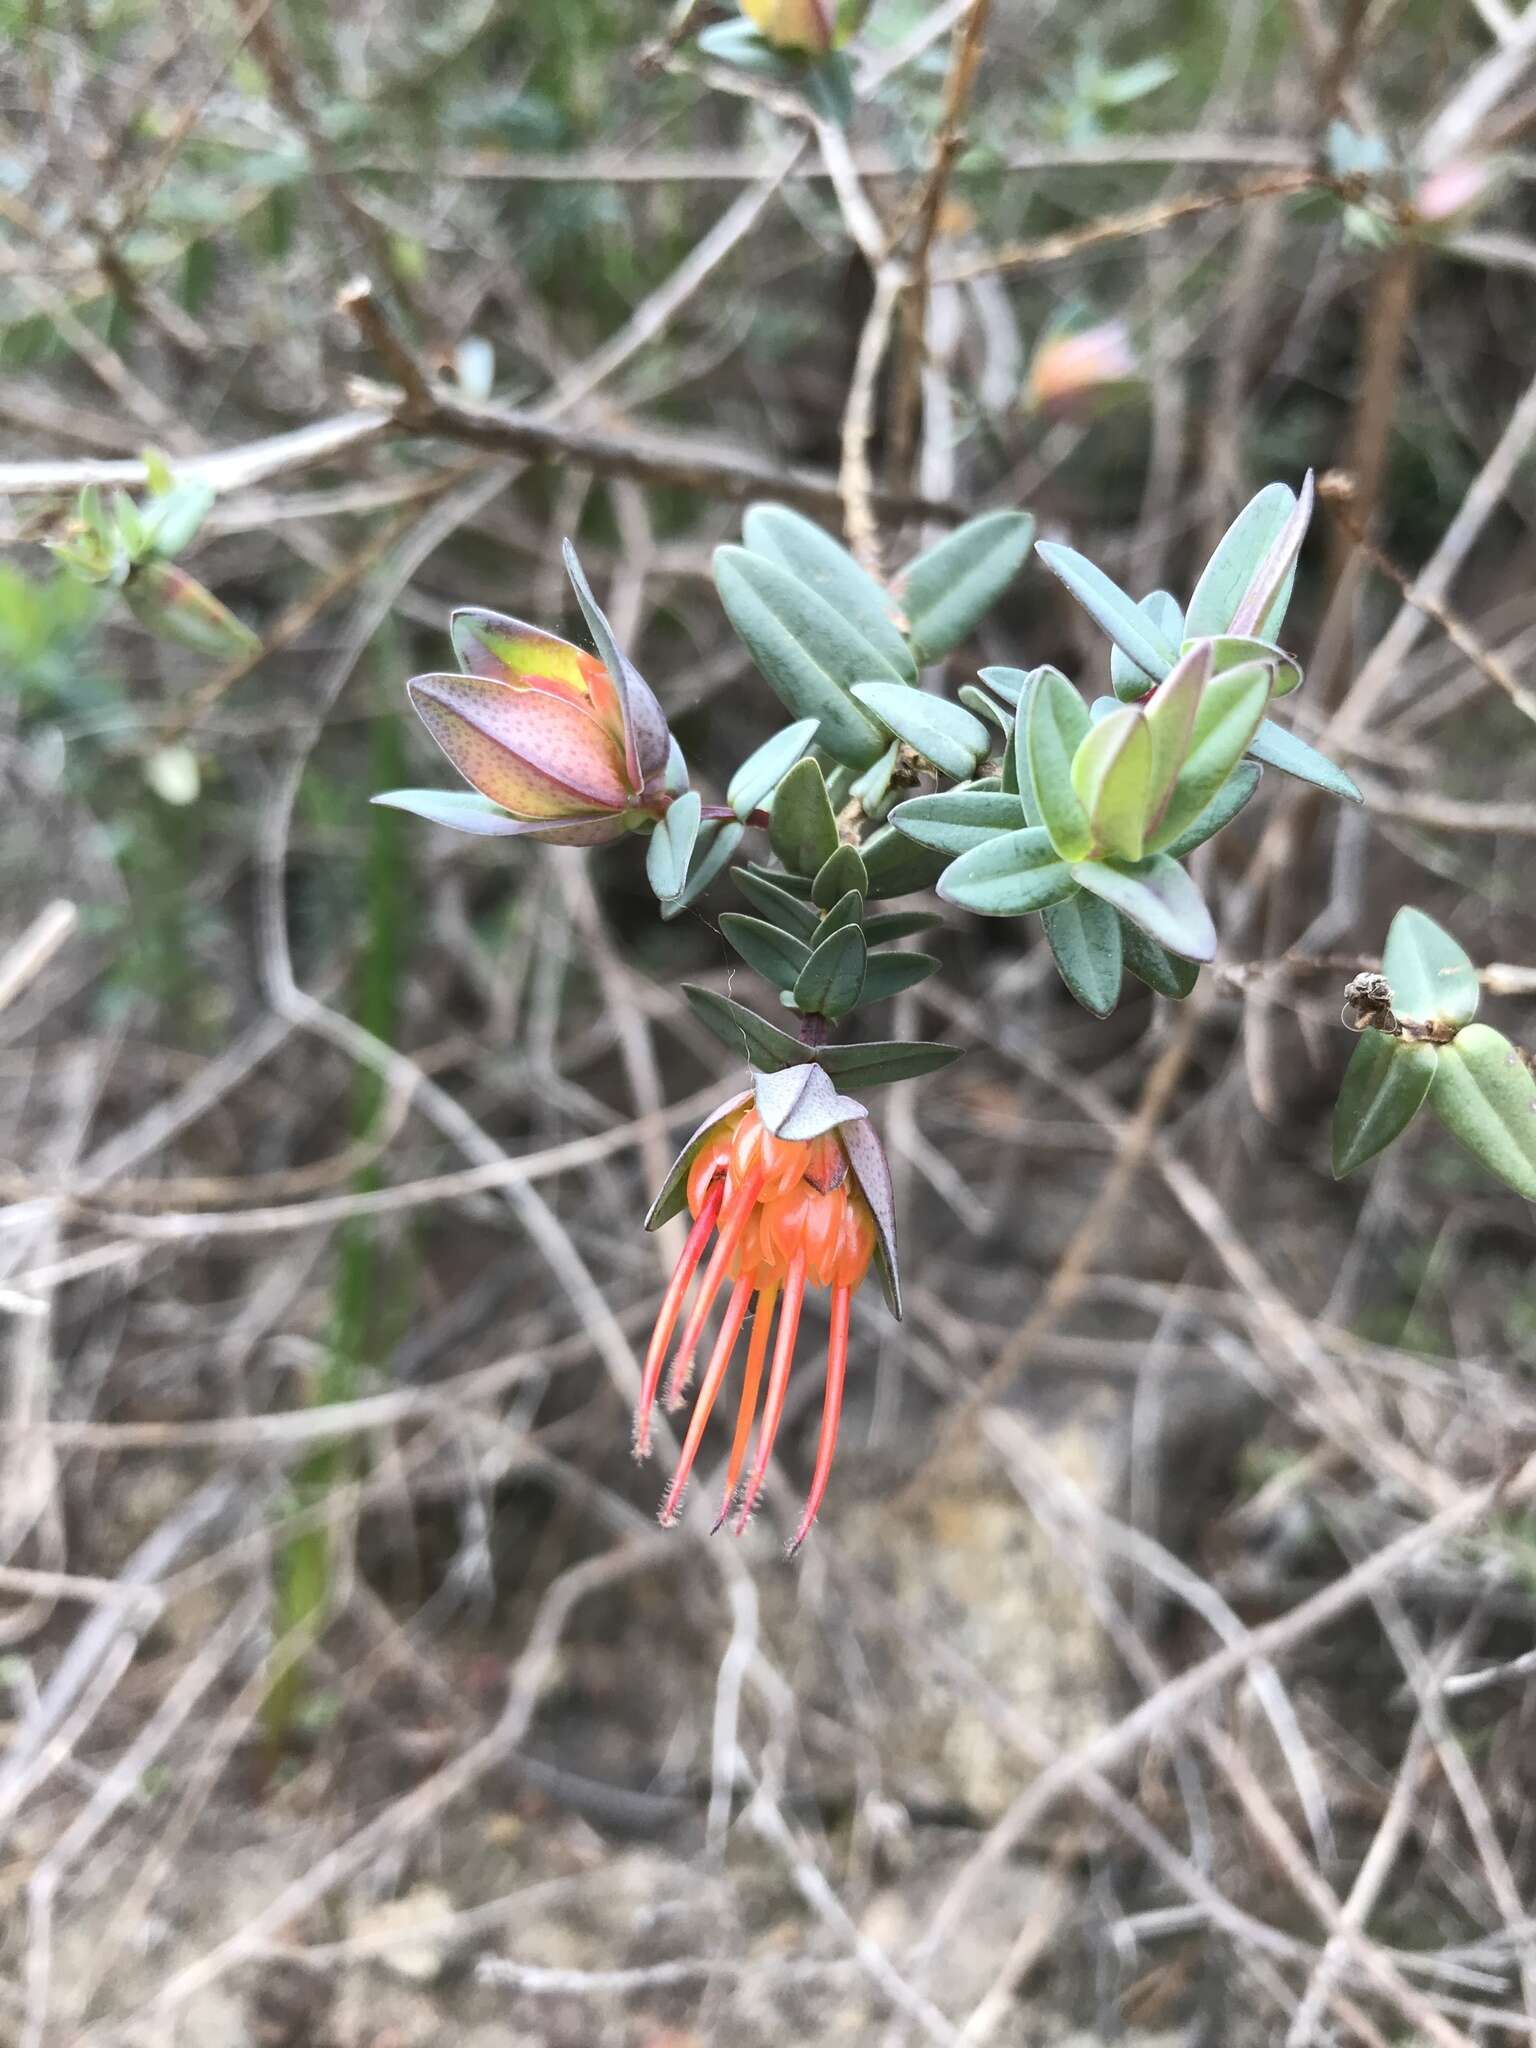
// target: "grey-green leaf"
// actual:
[[1384, 1084], [752, 1038], [671, 847], [1008, 876], [896, 865], [1263, 604], [1111, 609], [832, 980], [955, 820], [776, 955], [888, 974], [1156, 894], [1231, 708], [762, 771], [1277, 748], [1432, 978], [949, 589], [1084, 936], [899, 924], [877, 1061], [827, 568], [1239, 555], [946, 734], [711, 856], [789, 912], [1233, 650], [1485, 1095], [1221, 810], [873, 788], [1055, 728], [802, 830], [1163, 614], [809, 653], [1165, 973], [841, 871]]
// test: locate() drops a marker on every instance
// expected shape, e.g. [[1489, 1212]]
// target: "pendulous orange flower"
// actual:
[[786, 1212]]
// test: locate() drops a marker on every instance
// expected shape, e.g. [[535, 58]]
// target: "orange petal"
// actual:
[[536, 755], [503, 650], [757, 1351], [778, 1388], [709, 1388]]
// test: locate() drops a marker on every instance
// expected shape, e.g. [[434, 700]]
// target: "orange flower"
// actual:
[[785, 1212]]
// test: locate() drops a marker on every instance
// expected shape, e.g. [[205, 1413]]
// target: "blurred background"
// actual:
[[352, 1696]]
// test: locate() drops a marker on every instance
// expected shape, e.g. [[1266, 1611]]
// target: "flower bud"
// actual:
[[1072, 373], [557, 745], [812, 26], [175, 606]]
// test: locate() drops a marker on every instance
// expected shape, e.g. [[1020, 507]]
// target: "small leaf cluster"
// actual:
[[130, 547], [809, 933], [1097, 805], [1427, 1050]]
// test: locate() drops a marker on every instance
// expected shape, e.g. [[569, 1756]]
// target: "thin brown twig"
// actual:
[[1139, 220]]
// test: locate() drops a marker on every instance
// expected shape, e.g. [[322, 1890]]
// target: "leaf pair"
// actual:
[[842, 651], [1236, 611], [1477, 1084]]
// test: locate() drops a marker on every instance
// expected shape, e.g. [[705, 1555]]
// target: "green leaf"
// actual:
[[801, 829], [1008, 876], [955, 820], [809, 653], [877, 1061], [847, 910], [750, 1037], [1170, 715], [1111, 773], [789, 912], [1156, 894], [1432, 978], [762, 772], [1277, 748], [1232, 651], [1161, 610], [839, 873], [671, 847], [899, 924], [1485, 1095], [1107, 605], [832, 980], [888, 974], [1165, 973], [949, 589], [1263, 604], [896, 865], [1385, 1082], [827, 568], [1231, 707], [711, 856], [774, 954], [1055, 728], [1084, 938], [1239, 555], [946, 734], [1221, 810]]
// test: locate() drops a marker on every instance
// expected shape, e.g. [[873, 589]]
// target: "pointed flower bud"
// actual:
[[557, 744], [793, 1186], [1070, 372], [813, 26], [176, 606], [1450, 196]]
